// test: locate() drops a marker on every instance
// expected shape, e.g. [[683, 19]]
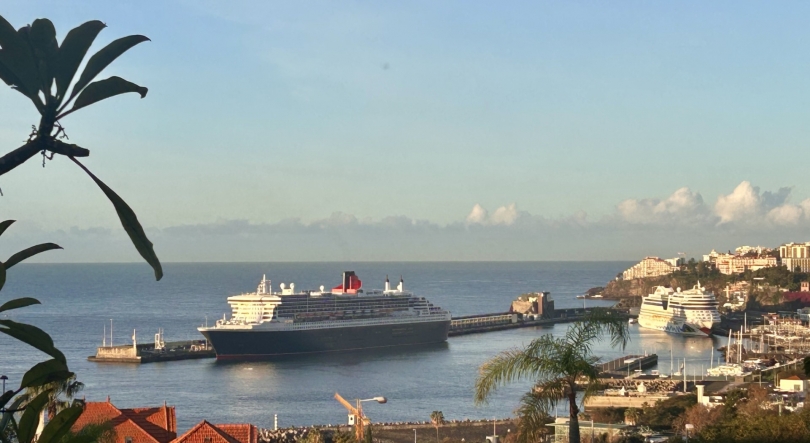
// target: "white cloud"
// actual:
[[478, 215], [785, 215], [504, 216], [743, 203], [682, 206]]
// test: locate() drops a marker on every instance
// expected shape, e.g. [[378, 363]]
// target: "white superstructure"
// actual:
[[690, 312]]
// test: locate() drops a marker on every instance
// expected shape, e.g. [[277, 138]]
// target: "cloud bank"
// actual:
[[682, 221]]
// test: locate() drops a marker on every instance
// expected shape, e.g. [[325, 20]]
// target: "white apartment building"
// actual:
[[796, 255], [650, 267]]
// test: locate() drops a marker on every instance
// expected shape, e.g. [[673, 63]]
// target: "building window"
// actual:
[[127, 439]]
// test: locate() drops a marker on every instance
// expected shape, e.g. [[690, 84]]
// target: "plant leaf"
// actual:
[[18, 303], [42, 38], [2, 275], [8, 416], [71, 53], [104, 89], [4, 225], [103, 58], [130, 223], [60, 425], [30, 418], [17, 59], [32, 336], [30, 252], [45, 372]]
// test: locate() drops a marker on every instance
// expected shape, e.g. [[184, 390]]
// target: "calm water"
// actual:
[[78, 300]]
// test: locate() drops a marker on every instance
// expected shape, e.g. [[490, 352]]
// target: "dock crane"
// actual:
[[356, 416]]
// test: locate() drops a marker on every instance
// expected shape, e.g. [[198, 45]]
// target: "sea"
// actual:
[[80, 302]]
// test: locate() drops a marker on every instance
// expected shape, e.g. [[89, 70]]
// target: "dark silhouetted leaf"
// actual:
[[5, 224], [30, 252], [130, 222], [60, 425], [8, 417], [46, 372], [17, 60], [103, 89], [32, 336], [30, 418], [42, 38], [72, 52], [2, 275], [18, 303], [104, 57]]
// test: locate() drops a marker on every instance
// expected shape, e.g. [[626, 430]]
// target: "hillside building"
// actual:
[[796, 255], [652, 267]]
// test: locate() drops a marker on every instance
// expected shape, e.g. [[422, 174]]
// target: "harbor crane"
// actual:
[[356, 416]]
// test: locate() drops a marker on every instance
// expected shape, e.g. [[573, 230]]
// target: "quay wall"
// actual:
[[116, 352], [615, 401]]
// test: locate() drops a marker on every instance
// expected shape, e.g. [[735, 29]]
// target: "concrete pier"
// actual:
[[629, 363], [146, 353]]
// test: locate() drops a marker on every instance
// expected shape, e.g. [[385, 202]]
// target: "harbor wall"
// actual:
[[615, 401], [116, 352]]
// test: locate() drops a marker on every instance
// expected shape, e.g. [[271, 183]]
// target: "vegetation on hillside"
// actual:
[[767, 282]]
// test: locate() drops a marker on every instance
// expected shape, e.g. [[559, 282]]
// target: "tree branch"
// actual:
[[25, 152], [19, 156]]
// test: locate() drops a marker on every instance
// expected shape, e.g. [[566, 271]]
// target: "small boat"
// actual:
[[597, 296], [582, 296]]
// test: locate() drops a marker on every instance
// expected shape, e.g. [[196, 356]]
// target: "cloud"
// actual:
[[681, 221], [745, 205], [682, 206], [503, 216]]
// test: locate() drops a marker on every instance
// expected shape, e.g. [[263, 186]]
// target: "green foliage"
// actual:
[[664, 412], [343, 437], [555, 365], [33, 63]]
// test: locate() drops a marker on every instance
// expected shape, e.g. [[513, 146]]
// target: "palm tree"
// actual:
[[556, 365], [60, 394], [437, 418]]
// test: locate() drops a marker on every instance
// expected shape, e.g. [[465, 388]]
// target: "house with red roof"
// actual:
[[205, 432], [139, 425]]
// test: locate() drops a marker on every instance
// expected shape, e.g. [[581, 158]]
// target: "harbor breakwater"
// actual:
[[397, 432]]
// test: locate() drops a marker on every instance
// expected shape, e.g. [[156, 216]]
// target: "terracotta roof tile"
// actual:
[[205, 432], [141, 425]]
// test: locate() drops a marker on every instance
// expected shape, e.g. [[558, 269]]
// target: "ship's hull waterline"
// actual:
[[258, 345]]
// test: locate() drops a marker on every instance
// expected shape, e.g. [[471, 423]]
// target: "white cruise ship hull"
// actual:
[[675, 327]]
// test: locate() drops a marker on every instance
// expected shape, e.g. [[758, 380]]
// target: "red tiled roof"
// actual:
[[793, 377], [142, 425], [204, 432]]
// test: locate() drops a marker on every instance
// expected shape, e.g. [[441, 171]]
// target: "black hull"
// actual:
[[257, 344]]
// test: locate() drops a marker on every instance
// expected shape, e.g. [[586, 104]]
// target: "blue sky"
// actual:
[[586, 116]]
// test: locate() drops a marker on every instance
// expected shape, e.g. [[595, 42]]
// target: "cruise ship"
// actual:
[[264, 324], [689, 312]]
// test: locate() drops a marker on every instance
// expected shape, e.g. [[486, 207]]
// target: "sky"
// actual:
[[454, 130]]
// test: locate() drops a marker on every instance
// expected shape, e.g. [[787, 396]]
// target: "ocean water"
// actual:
[[79, 300]]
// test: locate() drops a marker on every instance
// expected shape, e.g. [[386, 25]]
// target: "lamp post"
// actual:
[[360, 424], [414, 435], [688, 427], [4, 378]]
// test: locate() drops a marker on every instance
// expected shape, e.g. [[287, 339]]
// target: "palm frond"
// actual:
[[540, 361], [533, 411]]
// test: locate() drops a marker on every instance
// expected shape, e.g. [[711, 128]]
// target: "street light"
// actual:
[[688, 428], [4, 378], [414, 435]]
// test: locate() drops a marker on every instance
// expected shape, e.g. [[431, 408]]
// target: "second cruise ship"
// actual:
[[689, 312]]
